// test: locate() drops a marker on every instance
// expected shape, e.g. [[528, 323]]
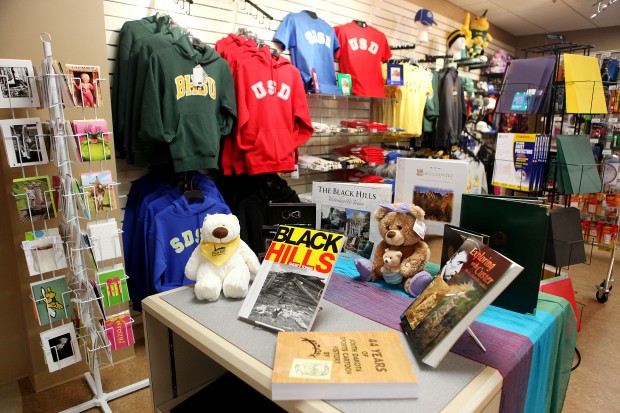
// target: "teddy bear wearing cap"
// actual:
[[402, 235]]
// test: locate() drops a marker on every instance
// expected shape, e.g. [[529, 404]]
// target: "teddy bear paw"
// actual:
[[208, 290], [235, 290]]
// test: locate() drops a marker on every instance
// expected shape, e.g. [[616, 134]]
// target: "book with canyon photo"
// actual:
[[289, 286], [471, 279], [436, 186]]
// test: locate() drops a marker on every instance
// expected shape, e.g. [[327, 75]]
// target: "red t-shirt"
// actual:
[[362, 49]]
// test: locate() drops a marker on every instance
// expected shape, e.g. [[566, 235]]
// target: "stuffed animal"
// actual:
[[396, 226], [222, 261], [480, 37], [391, 268]]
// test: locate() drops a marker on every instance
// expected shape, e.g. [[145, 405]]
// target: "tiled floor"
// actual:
[[593, 386]]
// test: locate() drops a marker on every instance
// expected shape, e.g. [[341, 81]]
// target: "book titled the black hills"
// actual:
[[471, 279]]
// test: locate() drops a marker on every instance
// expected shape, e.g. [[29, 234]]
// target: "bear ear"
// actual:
[[380, 213], [399, 254], [417, 212], [387, 250]]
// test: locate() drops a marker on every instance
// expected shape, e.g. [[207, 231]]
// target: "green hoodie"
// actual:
[[191, 120]]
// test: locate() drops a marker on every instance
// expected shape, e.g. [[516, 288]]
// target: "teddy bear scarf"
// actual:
[[219, 252]]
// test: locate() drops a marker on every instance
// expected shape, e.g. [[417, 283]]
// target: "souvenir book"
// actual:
[[45, 253], [92, 139], [453, 238], [52, 300], [34, 199], [17, 84], [113, 285], [119, 330], [100, 189], [85, 85], [520, 161], [471, 279], [288, 288], [342, 365], [60, 347], [23, 142], [348, 208], [436, 186]]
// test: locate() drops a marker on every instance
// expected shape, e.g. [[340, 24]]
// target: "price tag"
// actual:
[[198, 76], [419, 228], [606, 152], [613, 120], [295, 173], [596, 120], [593, 140]]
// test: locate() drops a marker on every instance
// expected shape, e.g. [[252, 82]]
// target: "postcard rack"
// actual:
[[82, 250]]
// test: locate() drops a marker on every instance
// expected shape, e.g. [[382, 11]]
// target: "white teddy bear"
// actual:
[[222, 261]]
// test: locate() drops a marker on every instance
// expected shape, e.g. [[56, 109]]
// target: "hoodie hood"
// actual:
[[265, 56], [200, 52]]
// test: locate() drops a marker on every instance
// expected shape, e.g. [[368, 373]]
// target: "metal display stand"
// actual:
[[94, 339]]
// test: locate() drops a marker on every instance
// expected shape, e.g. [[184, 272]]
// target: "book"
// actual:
[[100, 189], [291, 280], [52, 300], [347, 208], [517, 227], [33, 198], [17, 84], [578, 171], [92, 139], [60, 347], [342, 365], [453, 238], [113, 285], [584, 85], [436, 186], [23, 142], [520, 160], [119, 330], [85, 85], [103, 237], [469, 282], [45, 253]]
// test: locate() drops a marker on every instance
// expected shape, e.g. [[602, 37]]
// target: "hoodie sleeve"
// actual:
[[152, 124], [301, 113], [228, 103]]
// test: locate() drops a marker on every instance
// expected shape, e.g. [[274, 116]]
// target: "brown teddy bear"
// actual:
[[396, 223]]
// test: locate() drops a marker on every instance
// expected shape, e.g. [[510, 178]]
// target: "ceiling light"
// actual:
[[593, 16]]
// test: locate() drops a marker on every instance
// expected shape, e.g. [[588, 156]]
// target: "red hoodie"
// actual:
[[273, 115]]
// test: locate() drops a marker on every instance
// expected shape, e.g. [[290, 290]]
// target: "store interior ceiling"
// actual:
[[526, 17]]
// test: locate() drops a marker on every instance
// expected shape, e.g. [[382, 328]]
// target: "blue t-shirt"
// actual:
[[312, 43]]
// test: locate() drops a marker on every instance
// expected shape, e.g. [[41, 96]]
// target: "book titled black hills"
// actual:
[[471, 279]]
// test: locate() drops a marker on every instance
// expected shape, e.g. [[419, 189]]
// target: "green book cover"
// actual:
[[113, 285], [517, 230]]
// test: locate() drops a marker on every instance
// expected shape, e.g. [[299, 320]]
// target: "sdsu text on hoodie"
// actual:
[[191, 119], [274, 119]]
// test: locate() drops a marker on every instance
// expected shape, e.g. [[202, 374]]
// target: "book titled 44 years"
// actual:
[[342, 365], [471, 279], [291, 281]]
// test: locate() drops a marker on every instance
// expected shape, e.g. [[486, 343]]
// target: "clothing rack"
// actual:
[[403, 47], [263, 13], [433, 58], [558, 48]]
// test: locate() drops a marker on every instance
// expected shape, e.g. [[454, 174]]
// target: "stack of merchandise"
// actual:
[[272, 108], [577, 169], [317, 164], [160, 231], [521, 161], [365, 125], [527, 86], [370, 154]]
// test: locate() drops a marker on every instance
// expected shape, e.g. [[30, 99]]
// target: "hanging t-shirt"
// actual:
[[313, 43], [417, 88], [477, 180], [361, 53]]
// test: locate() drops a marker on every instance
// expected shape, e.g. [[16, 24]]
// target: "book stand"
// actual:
[[476, 339]]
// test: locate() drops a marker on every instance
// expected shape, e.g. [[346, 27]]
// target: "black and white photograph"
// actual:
[[24, 142], [17, 85], [333, 219], [289, 298], [60, 347]]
